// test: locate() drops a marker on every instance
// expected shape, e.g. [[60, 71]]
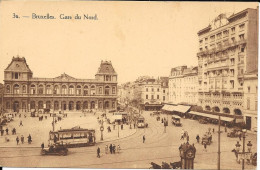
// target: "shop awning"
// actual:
[[227, 119], [180, 108], [167, 107]]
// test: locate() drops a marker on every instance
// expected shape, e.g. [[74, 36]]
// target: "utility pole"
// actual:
[[218, 142], [243, 160]]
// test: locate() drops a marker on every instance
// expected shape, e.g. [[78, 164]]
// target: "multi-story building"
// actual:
[[1, 97], [225, 54], [251, 99], [146, 92], [23, 92], [183, 85]]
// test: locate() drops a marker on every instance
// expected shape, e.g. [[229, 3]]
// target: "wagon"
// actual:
[[207, 138]]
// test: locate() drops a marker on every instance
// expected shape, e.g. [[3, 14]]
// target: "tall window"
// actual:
[[48, 89], [40, 89], [163, 98], [113, 90], [33, 89], [56, 90], [85, 92], [146, 89], [7, 89], [78, 90], [146, 96], [71, 90], [100, 90], [152, 97], [63, 89], [24, 89], [107, 90], [248, 103], [16, 89], [158, 97], [93, 90]]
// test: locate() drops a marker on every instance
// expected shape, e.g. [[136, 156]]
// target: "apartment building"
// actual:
[[226, 53]]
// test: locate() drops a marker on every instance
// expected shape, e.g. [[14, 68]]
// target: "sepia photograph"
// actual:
[[128, 84]]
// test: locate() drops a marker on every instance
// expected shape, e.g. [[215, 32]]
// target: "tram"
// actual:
[[75, 137], [141, 122]]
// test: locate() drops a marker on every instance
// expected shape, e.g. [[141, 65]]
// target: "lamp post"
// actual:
[[243, 153], [243, 160], [118, 127]]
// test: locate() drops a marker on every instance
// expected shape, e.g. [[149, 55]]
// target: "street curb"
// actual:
[[117, 139]]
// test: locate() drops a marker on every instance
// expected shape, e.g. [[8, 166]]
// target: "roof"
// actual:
[[18, 64], [106, 68], [65, 76]]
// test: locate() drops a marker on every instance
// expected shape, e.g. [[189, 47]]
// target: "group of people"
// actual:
[[22, 139], [112, 148]]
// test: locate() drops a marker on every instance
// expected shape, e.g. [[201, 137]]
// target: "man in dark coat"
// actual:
[[143, 139], [111, 148], [98, 152], [42, 146]]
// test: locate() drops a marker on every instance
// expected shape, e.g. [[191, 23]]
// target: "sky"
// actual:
[[139, 38]]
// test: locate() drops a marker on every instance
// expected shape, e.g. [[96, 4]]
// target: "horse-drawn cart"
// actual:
[[207, 138]]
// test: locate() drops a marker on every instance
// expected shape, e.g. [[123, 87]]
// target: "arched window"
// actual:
[[16, 89], [40, 89], [85, 92], [63, 89], [7, 89], [48, 89], [107, 90], [71, 90], [78, 90], [24, 88], [56, 105], [56, 90], [93, 90], [40, 105], [85, 105]]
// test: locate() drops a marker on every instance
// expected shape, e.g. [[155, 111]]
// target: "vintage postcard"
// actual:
[[98, 84]]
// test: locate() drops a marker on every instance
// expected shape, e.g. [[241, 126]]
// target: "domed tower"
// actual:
[[106, 72]]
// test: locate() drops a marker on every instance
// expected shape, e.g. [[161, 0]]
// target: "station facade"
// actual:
[[24, 93]]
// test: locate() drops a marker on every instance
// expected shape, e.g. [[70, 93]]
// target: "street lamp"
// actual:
[[243, 153], [249, 146]]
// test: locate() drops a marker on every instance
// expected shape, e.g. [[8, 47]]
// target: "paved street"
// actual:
[[158, 147]]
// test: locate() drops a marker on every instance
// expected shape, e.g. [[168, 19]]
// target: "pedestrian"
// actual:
[[21, 123], [29, 139], [6, 130], [111, 148], [118, 148], [198, 138], [42, 146], [240, 136], [225, 129], [143, 139], [2, 132], [213, 130], [205, 146], [122, 126], [106, 149], [17, 140], [98, 152], [188, 138], [22, 139], [114, 148]]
